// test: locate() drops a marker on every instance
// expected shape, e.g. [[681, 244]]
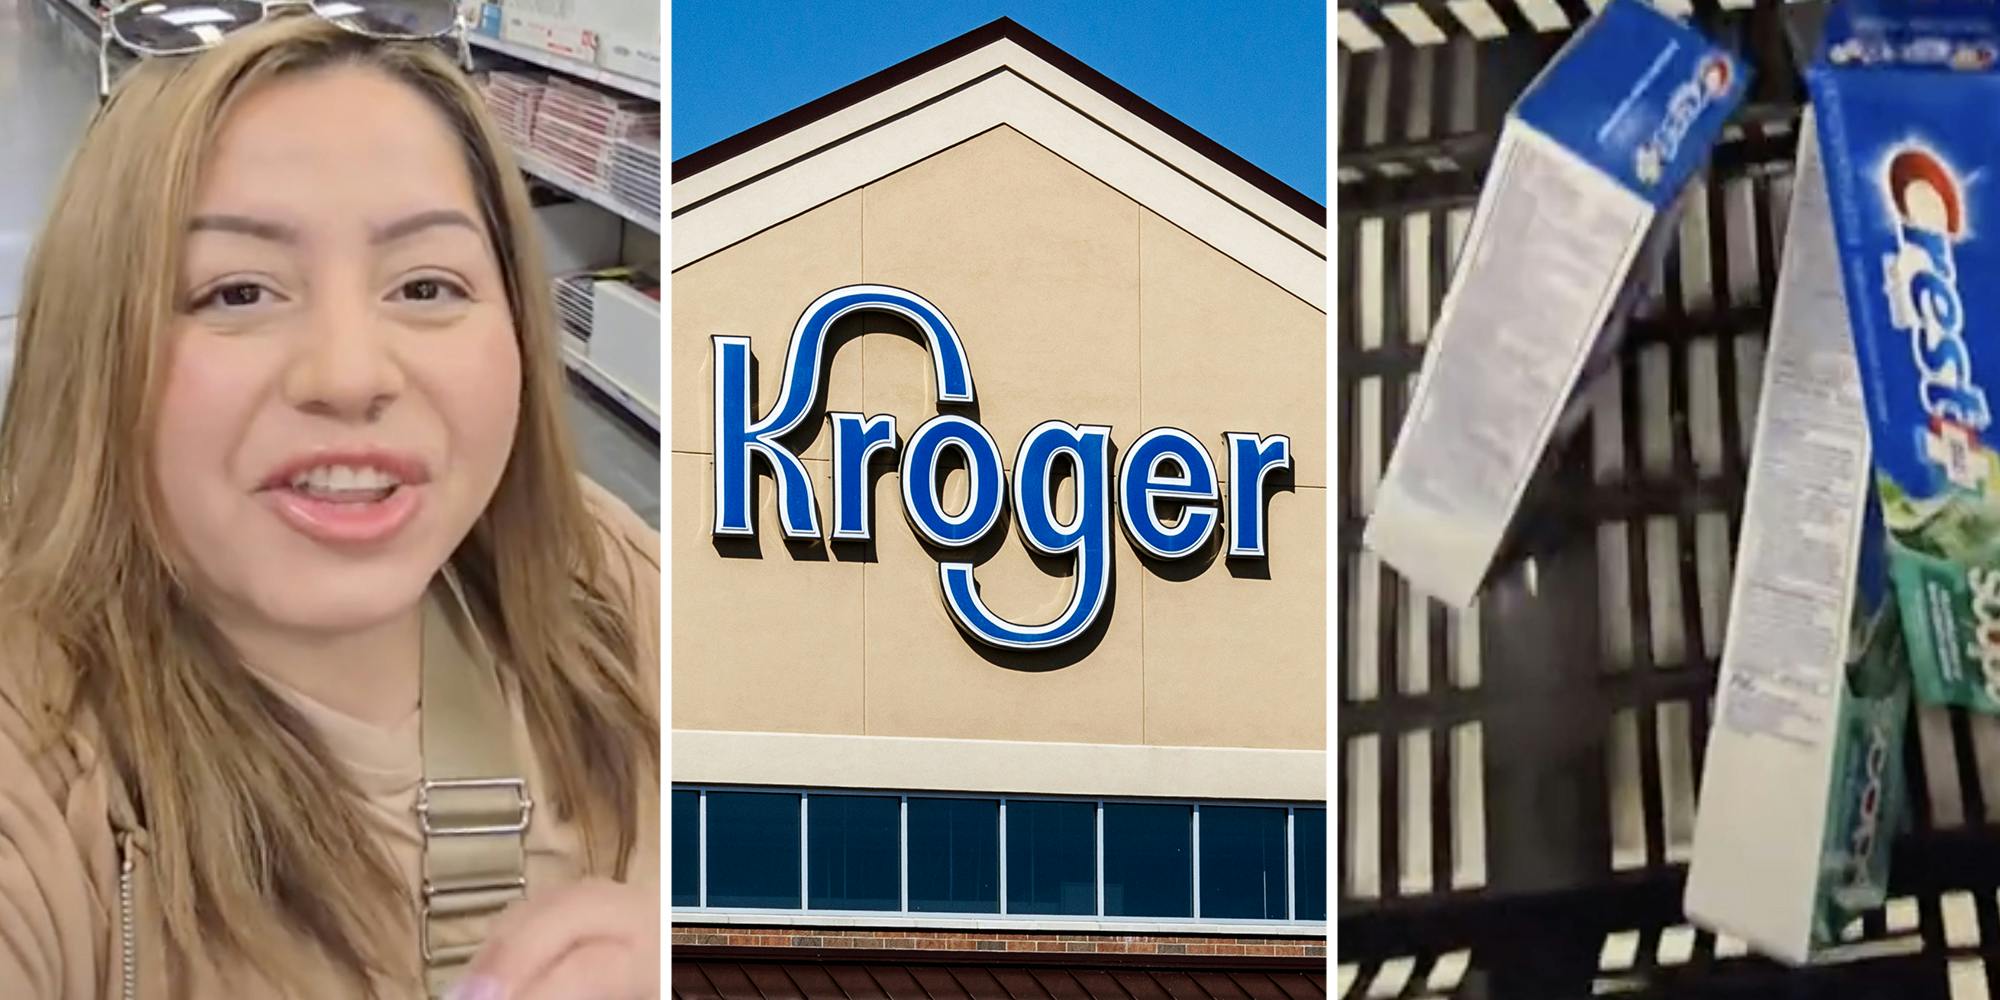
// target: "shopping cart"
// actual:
[[1517, 782]]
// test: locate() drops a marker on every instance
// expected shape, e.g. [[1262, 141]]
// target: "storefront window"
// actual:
[[1309, 863], [1242, 863], [853, 852], [1148, 860], [1051, 857], [686, 808], [753, 850], [954, 855], [942, 854]]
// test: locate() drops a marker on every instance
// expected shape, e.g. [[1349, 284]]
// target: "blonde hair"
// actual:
[[231, 783]]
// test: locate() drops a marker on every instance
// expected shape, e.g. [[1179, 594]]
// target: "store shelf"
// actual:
[[567, 66], [542, 170], [610, 387]]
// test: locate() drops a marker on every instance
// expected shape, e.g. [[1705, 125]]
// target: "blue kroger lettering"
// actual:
[[1087, 449], [737, 440], [1141, 486], [1928, 206], [921, 500], [1165, 465], [856, 439], [1252, 459]]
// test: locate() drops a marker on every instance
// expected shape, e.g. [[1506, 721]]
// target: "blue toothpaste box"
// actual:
[[1909, 115], [1582, 188]]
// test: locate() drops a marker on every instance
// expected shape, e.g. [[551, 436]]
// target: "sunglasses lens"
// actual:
[[391, 18], [170, 27]]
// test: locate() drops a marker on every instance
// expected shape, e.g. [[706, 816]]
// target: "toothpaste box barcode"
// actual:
[[1589, 163], [1909, 110], [1803, 781]]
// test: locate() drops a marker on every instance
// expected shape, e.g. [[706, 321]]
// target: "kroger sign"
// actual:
[[1165, 465]]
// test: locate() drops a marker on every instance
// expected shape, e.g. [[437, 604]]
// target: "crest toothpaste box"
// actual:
[[1909, 111], [1589, 164], [1803, 783]]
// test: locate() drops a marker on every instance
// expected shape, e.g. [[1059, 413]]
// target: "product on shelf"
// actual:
[[628, 36], [635, 173], [574, 300], [625, 338], [1589, 163], [585, 139], [512, 98], [550, 25], [1803, 785], [576, 128], [1909, 105], [576, 295], [488, 21]]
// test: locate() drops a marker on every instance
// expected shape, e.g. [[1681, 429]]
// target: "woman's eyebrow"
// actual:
[[412, 224], [278, 232], [263, 229]]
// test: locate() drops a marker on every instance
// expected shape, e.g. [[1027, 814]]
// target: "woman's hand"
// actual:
[[595, 940]]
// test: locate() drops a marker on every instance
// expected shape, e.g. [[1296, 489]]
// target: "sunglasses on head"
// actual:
[[180, 27]]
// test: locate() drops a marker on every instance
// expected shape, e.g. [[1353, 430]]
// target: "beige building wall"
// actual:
[[1075, 303]]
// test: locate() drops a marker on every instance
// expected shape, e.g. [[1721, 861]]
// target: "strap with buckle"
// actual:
[[473, 808]]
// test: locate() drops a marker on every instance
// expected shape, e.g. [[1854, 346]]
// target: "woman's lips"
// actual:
[[345, 522], [326, 494], [403, 467]]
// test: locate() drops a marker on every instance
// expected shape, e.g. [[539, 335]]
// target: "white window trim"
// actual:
[[1006, 97], [996, 767], [1009, 55]]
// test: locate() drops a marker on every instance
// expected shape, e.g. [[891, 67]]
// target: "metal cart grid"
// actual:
[[1516, 782]]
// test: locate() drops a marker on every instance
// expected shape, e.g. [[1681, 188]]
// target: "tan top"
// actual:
[[60, 925]]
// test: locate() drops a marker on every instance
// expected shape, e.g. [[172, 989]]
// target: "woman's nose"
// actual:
[[345, 366]]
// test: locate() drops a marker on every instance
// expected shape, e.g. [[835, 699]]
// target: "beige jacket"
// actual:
[[72, 917]]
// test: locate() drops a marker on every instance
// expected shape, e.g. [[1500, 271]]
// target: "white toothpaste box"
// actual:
[[1588, 167], [1803, 784]]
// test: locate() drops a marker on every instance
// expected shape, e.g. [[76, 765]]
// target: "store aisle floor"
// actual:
[[48, 89]]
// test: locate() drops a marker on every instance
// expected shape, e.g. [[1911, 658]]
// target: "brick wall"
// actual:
[[911, 939]]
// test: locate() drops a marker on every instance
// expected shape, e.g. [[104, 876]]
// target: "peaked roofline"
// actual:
[[1004, 28]]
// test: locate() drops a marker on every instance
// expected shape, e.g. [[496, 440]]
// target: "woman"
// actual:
[[288, 516]]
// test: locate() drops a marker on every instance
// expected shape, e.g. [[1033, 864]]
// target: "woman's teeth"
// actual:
[[345, 483]]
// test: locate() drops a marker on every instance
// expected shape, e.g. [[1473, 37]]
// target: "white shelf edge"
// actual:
[[567, 66], [534, 164], [596, 376]]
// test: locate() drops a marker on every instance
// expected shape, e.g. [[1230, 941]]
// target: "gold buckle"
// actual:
[[520, 787]]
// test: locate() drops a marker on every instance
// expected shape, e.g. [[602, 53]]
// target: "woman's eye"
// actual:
[[428, 290], [235, 295]]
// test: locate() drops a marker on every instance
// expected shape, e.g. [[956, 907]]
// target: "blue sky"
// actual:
[[1250, 74]]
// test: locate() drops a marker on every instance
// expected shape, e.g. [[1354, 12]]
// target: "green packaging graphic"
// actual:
[[1866, 808], [1944, 554]]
